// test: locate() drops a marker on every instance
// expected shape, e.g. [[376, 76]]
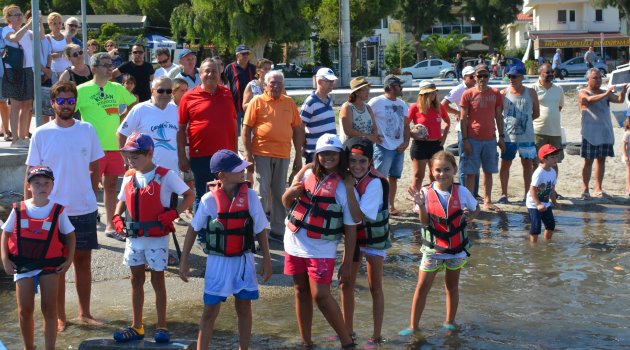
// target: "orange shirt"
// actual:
[[272, 122], [481, 112]]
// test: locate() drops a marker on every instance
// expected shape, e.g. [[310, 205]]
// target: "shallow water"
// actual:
[[573, 292]]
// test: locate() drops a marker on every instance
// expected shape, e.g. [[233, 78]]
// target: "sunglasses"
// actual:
[[164, 61], [109, 45], [16, 15], [77, 54], [70, 100], [513, 76], [482, 76], [137, 52], [72, 25], [162, 91]]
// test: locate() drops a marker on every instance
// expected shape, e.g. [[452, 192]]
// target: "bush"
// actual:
[[392, 55]]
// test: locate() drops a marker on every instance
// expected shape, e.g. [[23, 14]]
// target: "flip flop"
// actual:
[[585, 196], [492, 207], [405, 332], [116, 236], [503, 200], [449, 326], [601, 195]]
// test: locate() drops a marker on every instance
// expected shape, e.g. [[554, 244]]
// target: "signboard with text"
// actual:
[[568, 43]]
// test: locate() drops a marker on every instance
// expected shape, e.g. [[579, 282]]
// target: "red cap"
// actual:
[[546, 150]]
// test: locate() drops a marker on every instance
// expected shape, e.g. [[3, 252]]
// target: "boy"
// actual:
[[38, 245], [232, 214], [541, 190], [147, 193]]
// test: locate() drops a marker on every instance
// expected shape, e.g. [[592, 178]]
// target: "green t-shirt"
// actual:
[[100, 107]]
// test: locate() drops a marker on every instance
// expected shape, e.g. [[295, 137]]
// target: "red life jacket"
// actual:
[[374, 233], [36, 243], [144, 206], [231, 233], [446, 229], [325, 216]]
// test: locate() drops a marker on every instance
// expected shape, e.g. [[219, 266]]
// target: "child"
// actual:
[[232, 214], [445, 208], [318, 216], [372, 234], [625, 152], [38, 244], [129, 82], [541, 190], [146, 193]]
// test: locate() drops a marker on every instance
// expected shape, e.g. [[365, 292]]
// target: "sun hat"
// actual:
[[138, 142], [426, 87], [40, 171], [358, 83], [546, 150], [326, 73], [328, 142], [227, 161], [359, 145], [468, 70]]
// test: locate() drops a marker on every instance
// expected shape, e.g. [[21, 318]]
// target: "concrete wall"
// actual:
[[12, 169]]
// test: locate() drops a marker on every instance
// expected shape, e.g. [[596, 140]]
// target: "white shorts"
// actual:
[[373, 252], [152, 251]]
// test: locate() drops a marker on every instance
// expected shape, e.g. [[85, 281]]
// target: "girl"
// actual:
[[319, 214], [444, 208], [428, 112], [372, 234], [58, 41], [129, 82], [625, 152]]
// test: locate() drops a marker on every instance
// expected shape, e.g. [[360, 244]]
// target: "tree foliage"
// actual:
[[420, 15], [365, 15], [492, 15], [444, 47], [392, 55], [622, 5]]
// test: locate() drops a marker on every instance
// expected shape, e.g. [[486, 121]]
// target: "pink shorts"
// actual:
[[319, 270], [111, 164]]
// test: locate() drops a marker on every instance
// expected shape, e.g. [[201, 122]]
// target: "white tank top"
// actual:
[[58, 65]]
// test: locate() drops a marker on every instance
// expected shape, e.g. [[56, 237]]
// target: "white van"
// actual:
[[618, 77]]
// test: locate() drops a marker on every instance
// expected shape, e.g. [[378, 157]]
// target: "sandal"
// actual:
[[601, 195], [405, 332], [128, 334], [162, 335], [585, 196], [115, 235], [503, 200], [8, 136], [449, 326], [492, 207], [373, 343]]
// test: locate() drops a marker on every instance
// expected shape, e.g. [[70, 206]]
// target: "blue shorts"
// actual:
[[85, 230], [388, 162], [484, 154], [526, 150], [209, 299], [536, 217]]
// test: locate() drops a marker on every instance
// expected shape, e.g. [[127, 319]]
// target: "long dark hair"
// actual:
[[342, 167]]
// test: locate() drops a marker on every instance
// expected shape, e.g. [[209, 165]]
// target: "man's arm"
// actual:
[[94, 175], [246, 137], [535, 103], [585, 99], [463, 123], [122, 139], [447, 105]]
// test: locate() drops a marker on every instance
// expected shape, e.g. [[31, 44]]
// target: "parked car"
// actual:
[[287, 68], [577, 66], [427, 69], [617, 78], [510, 62]]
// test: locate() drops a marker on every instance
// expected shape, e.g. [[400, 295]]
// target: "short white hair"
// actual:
[[273, 73], [73, 19], [157, 81]]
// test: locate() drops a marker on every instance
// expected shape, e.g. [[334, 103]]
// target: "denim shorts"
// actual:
[[526, 150], [209, 299], [484, 154], [536, 217], [85, 230], [388, 162]]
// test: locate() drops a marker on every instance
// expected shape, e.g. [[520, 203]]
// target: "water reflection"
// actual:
[[572, 292]]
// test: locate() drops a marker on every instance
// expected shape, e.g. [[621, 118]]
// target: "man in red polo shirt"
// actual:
[[207, 116]]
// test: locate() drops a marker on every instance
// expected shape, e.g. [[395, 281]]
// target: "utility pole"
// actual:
[[345, 42], [37, 66]]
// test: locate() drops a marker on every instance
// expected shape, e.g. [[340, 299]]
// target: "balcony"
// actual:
[[474, 32]]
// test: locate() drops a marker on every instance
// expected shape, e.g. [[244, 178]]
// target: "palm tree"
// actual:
[[444, 46]]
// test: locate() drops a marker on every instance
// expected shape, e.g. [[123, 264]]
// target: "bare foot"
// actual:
[[492, 207], [88, 320], [61, 325]]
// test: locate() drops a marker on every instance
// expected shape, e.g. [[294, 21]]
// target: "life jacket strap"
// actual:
[[313, 228]]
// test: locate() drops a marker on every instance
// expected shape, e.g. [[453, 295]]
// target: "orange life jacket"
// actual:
[[144, 206], [318, 202], [446, 232], [36, 243], [374, 233], [231, 233]]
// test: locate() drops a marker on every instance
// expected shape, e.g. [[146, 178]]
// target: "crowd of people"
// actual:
[[174, 132]]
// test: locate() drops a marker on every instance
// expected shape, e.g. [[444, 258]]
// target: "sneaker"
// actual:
[[129, 334]]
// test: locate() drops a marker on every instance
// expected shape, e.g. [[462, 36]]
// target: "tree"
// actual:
[[392, 55], [444, 47], [622, 5], [419, 15], [364, 16], [492, 15]]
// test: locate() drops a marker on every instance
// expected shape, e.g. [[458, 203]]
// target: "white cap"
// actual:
[[326, 73], [328, 142], [468, 70]]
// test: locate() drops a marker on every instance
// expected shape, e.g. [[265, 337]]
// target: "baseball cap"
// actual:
[[328, 142], [40, 171], [138, 142], [185, 52], [242, 48], [326, 73], [468, 70], [426, 87], [516, 71], [391, 80], [227, 161], [546, 150], [359, 145], [481, 68]]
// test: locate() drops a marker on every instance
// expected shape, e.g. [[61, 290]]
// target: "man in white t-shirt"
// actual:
[[163, 56], [390, 113], [71, 149]]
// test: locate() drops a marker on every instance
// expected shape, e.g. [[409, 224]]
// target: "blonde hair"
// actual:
[[53, 16], [110, 42], [7, 9], [424, 102], [67, 51]]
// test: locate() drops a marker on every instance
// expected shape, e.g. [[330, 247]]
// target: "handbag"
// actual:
[[13, 56]]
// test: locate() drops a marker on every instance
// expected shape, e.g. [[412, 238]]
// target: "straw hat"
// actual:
[[358, 83], [426, 87]]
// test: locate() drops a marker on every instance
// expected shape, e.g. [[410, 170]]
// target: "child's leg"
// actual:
[[137, 295], [425, 281], [303, 306], [347, 295], [375, 280], [83, 277], [206, 325], [535, 218], [61, 303], [550, 222], [48, 288], [244, 313], [25, 295], [330, 309], [451, 284], [628, 178], [159, 286]]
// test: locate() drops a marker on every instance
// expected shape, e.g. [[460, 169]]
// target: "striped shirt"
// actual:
[[318, 118]]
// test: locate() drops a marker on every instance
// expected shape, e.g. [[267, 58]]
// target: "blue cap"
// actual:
[[138, 142], [185, 52], [516, 71], [40, 171], [227, 161], [242, 48]]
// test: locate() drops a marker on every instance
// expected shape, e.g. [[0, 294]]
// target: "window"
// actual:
[[384, 23], [436, 63], [422, 64], [571, 15], [599, 16], [562, 16]]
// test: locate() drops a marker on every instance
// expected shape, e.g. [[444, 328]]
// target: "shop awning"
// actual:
[[571, 40]]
